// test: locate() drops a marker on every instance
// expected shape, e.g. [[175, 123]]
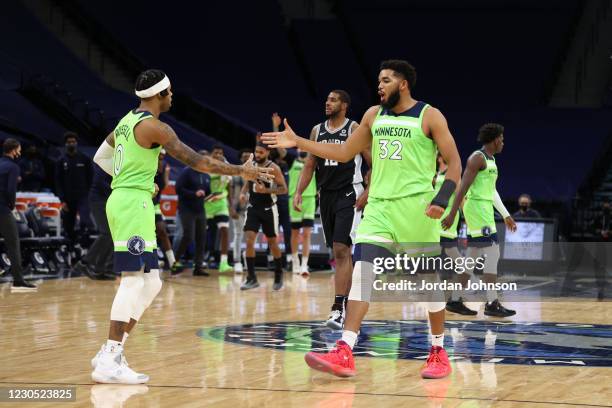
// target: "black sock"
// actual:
[[278, 268], [251, 268], [339, 302]]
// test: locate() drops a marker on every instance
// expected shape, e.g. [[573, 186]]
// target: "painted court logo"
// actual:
[[136, 245], [501, 342]]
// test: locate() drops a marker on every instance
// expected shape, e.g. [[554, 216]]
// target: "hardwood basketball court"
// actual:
[[205, 343]]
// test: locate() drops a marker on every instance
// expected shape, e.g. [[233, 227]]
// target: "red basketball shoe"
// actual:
[[437, 364], [338, 361]]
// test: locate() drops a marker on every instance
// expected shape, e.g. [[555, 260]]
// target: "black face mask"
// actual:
[[303, 155], [524, 207], [71, 149]]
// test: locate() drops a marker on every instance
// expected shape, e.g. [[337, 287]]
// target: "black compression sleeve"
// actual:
[[445, 193]]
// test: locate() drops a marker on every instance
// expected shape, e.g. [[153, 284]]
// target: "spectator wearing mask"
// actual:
[[525, 210], [192, 187], [73, 175], [98, 263], [32, 170], [9, 176]]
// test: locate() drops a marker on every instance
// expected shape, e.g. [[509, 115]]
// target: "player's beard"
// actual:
[[261, 161], [333, 114], [392, 100]]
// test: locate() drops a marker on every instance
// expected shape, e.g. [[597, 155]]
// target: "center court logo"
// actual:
[[136, 245], [499, 342]]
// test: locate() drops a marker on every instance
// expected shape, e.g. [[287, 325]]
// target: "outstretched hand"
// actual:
[[249, 171], [285, 139]]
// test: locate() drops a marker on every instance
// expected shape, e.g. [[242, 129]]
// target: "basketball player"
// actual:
[[405, 135], [449, 244], [302, 215], [263, 212], [162, 178], [218, 207], [478, 182], [130, 154], [340, 186]]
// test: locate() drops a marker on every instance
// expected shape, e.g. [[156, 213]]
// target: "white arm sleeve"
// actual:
[[104, 157], [499, 205]]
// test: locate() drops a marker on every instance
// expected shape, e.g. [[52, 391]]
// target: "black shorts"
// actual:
[[266, 218], [338, 214], [218, 219]]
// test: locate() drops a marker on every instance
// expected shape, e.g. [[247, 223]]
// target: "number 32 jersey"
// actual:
[[403, 157], [330, 174]]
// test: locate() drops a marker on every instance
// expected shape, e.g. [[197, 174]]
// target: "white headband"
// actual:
[[155, 89]]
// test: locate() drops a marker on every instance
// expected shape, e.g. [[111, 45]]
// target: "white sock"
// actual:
[[170, 256], [223, 258], [304, 262], [112, 346], [491, 295], [125, 336], [437, 340], [288, 257], [295, 259], [270, 257], [349, 338]]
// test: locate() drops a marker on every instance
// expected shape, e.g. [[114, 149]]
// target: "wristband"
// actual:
[[445, 193]]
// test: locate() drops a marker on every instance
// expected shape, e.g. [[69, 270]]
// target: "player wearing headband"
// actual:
[[130, 154]]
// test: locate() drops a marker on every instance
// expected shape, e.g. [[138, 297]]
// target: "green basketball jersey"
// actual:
[[133, 165], [218, 184], [294, 177], [483, 187], [403, 157]]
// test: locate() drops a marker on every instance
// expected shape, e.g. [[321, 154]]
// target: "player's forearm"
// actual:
[[278, 190], [453, 172], [338, 152], [466, 182], [499, 205], [209, 165], [305, 178], [204, 164]]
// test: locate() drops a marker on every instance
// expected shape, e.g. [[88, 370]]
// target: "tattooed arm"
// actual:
[[157, 132]]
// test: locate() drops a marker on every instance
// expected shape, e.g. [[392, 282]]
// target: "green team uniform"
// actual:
[[478, 206], [308, 196], [450, 233], [219, 208], [403, 167], [129, 209]]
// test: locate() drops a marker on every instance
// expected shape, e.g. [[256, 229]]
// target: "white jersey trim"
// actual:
[[346, 120]]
